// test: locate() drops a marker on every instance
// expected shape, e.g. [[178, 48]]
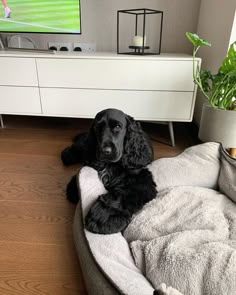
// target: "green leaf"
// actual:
[[206, 80], [219, 88], [196, 40], [232, 74], [229, 63]]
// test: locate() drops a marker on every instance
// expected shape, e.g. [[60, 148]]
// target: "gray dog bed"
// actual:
[[184, 239]]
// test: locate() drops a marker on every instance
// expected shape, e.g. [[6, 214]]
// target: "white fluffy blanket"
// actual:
[[186, 238]]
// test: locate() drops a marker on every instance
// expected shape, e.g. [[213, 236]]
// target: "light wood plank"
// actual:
[[38, 259], [36, 233], [19, 284], [43, 188], [36, 213], [34, 164], [31, 147]]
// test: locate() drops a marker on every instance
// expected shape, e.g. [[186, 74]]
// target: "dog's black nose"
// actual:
[[107, 150]]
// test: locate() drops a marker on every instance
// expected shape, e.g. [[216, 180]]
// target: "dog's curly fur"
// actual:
[[117, 147]]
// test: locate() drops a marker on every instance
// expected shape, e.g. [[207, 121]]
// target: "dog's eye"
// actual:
[[117, 128]]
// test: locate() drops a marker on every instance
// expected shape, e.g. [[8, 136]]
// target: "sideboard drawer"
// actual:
[[18, 71], [164, 75], [85, 103], [22, 100]]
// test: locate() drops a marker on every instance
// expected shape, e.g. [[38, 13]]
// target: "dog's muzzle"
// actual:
[[108, 152]]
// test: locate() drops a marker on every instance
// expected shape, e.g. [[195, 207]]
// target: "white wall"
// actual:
[[233, 31], [216, 19], [99, 23]]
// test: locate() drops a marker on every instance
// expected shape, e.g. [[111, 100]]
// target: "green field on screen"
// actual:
[[62, 16]]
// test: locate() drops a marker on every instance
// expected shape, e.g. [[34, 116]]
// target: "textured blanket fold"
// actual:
[[186, 238]]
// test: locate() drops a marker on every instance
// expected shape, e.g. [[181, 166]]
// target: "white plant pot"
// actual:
[[218, 125]]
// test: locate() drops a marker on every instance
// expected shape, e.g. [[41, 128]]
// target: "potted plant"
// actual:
[[218, 120]]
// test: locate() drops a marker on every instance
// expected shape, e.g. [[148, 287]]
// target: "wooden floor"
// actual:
[[37, 254]]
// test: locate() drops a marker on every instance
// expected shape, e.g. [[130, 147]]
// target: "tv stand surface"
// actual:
[[33, 50], [64, 84]]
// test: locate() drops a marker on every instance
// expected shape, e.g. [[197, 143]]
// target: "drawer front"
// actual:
[[143, 105], [18, 71], [22, 100], [116, 74]]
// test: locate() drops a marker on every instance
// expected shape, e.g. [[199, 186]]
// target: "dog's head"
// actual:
[[110, 129], [120, 138]]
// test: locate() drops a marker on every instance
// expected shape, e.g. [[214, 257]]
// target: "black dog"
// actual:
[[117, 147]]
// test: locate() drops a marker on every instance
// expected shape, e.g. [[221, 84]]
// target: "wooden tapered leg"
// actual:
[[232, 152], [1, 121], [171, 131]]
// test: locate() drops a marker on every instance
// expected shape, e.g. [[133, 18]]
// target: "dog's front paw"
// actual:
[[67, 157], [72, 191], [102, 218], [97, 218]]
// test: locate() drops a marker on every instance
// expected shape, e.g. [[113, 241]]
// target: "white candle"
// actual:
[[138, 41]]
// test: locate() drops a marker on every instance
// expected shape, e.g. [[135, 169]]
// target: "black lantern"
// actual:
[[143, 37]]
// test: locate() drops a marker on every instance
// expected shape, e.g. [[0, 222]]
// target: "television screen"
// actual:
[[40, 16]]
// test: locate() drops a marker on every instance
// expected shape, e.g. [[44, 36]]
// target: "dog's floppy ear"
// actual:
[[89, 144], [138, 151], [83, 150]]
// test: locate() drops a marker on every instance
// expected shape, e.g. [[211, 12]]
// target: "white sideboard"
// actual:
[[150, 88]]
